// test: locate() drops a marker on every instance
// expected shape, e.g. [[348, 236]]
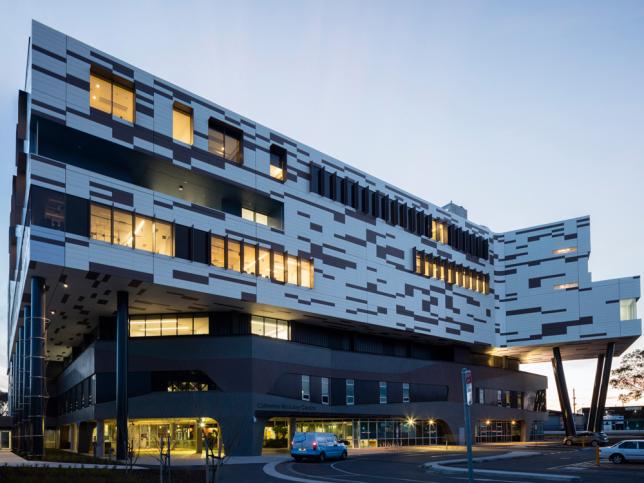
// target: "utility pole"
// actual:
[[574, 401]]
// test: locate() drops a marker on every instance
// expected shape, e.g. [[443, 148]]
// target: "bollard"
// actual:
[[597, 455]]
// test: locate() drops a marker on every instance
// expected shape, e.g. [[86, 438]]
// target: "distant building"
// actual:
[[621, 418]]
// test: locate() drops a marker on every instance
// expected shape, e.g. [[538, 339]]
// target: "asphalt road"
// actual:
[[406, 466]]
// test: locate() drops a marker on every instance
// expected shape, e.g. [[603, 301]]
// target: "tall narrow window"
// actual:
[[143, 234], [100, 93], [217, 254], [405, 392], [182, 123], [234, 250], [163, 239], [278, 266], [282, 330], [123, 103], [324, 389], [306, 388], [350, 393], [306, 273], [270, 327], [264, 262], [292, 269], [250, 258], [278, 163], [101, 223], [225, 141], [383, 392]]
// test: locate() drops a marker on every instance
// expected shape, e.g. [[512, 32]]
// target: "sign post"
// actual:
[[466, 375]]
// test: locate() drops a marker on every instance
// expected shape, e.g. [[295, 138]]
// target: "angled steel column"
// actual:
[[562, 390], [121, 374], [603, 388], [37, 367], [592, 413]]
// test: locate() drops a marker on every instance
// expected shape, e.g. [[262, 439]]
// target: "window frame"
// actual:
[[324, 390], [188, 111], [226, 130], [350, 399], [382, 399], [112, 80], [306, 396]]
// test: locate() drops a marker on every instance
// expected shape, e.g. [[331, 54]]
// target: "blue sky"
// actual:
[[523, 112]]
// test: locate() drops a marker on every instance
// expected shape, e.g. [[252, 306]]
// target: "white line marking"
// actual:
[[388, 478]]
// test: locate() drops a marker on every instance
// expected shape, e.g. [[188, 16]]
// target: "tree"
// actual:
[[629, 376], [4, 403]]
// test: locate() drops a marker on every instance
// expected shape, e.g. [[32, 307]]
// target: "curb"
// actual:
[[441, 467]]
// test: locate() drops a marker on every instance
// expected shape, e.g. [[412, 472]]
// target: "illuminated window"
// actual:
[[269, 327], [234, 261], [137, 327], [217, 251], [152, 326], [101, 223], [184, 325], [250, 215], [111, 97], [419, 266], [257, 325], [278, 266], [250, 259], [123, 103], [182, 123], [163, 242], [169, 325], [292, 269], [201, 325], [627, 309], [123, 228], [282, 330], [264, 262], [306, 273], [100, 93], [225, 141], [278, 163], [143, 233], [561, 251], [565, 286]]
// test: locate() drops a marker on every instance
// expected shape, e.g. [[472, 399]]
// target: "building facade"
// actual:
[[178, 268]]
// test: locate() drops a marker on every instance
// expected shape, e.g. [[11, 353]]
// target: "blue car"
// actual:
[[319, 446]]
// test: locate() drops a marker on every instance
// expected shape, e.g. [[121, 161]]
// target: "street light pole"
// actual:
[[466, 376]]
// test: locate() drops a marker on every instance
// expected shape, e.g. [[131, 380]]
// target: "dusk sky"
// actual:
[[523, 112]]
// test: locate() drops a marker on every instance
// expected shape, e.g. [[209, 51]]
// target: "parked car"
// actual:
[[317, 445], [629, 450], [586, 438]]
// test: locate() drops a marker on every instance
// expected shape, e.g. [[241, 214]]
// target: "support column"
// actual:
[[25, 349], [292, 424], [603, 388], [592, 413], [100, 438], [562, 391], [18, 382], [198, 436], [122, 316], [37, 367]]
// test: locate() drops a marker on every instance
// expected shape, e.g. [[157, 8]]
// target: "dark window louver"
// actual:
[[379, 205]]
